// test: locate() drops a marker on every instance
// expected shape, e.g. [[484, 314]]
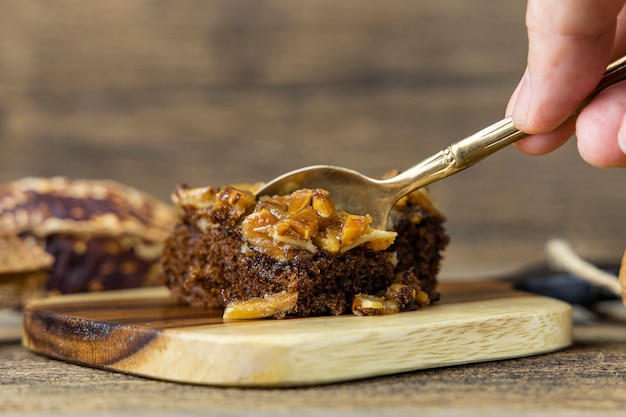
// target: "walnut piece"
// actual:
[[371, 305], [270, 305]]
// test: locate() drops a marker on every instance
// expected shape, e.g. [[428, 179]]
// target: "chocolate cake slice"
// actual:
[[296, 255]]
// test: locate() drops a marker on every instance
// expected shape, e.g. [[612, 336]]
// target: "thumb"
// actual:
[[570, 45]]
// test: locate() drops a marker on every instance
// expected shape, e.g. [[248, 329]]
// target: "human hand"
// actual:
[[571, 42]]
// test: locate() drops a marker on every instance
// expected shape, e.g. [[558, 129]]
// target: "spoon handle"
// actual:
[[491, 139]]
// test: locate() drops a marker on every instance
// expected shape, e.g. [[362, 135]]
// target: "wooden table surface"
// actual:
[[154, 93]]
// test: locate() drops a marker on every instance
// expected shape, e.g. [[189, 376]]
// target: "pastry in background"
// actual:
[[103, 235]]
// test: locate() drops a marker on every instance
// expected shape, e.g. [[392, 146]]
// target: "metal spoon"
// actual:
[[358, 194]]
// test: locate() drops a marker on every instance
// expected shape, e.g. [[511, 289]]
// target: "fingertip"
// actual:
[[600, 158], [528, 119], [601, 129]]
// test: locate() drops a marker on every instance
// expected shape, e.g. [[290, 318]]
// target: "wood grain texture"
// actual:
[[588, 378], [144, 332]]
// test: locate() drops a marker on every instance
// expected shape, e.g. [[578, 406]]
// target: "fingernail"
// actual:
[[522, 102]]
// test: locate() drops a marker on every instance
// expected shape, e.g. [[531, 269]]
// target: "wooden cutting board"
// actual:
[[143, 332]]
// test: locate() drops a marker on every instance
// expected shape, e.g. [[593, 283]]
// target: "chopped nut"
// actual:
[[239, 200], [353, 228], [302, 225], [422, 298], [370, 305], [323, 204], [270, 305], [198, 198]]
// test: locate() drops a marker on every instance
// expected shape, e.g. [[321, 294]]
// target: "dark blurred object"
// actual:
[[542, 280]]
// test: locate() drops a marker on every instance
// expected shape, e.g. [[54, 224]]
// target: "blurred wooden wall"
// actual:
[[152, 93]]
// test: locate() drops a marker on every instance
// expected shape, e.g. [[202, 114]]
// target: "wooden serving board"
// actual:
[[144, 332]]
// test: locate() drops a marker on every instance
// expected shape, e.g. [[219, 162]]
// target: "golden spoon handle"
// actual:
[[475, 148]]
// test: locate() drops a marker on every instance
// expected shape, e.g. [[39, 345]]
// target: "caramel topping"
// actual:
[[270, 305], [307, 220], [237, 199]]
